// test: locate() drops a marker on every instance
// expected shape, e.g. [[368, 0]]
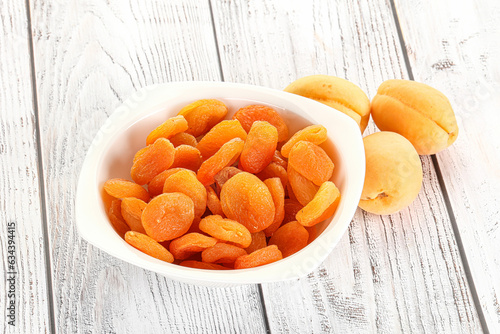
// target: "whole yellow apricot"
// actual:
[[420, 113], [393, 173], [337, 93]]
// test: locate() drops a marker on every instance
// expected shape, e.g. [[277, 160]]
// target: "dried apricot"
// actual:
[[258, 241], [189, 244], [183, 138], [226, 230], [185, 182], [322, 206], [202, 265], [213, 202], [187, 157], [290, 238], [202, 115], [279, 159], [258, 258], [315, 134], [120, 188], [246, 199], [222, 253], [249, 114], [218, 136], [116, 219], [274, 170], [292, 207], [131, 209], [148, 246], [168, 216], [152, 160], [168, 129], [311, 161], [278, 193], [303, 189], [225, 174], [227, 155], [259, 148], [155, 186]]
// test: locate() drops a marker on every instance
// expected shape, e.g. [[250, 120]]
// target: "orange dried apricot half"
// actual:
[[322, 206], [290, 238], [202, 115], [258, 241], [259, 148], [213, 202], [152, 160], [218, 136], [148, 246], [222, 253], [278, 193], [168, 216], [189, 244], [183, 138], [311, 161], [131, 209], [187, 157], [315, 134], [258, 258], [120, 188], [168, 129], [226, 230], [116, 219], [227, 155], [185, 182], [249, 114], [303, 189], [246, 199]]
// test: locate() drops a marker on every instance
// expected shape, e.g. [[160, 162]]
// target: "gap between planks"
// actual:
[[442, 186], [41, 179]]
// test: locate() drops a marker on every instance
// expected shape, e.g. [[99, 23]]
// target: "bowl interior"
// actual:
[[125, 132]]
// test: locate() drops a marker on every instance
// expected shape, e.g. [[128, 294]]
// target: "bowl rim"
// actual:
[[146, 102]]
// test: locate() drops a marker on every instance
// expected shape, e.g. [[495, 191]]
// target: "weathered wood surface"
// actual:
[[461, 58], [399, 273], [19, 181], [89, 56]]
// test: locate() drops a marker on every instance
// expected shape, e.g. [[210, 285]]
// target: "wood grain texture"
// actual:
[[398, 273], [461, 58], [89, 56], [19, 180]]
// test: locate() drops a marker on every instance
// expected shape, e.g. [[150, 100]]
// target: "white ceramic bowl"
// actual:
[[124, 133]]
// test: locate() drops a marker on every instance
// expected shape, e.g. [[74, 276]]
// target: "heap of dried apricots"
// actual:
[[224, 194]]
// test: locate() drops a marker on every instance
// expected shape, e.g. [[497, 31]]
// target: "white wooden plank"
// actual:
[[398, 273], [19, 183], [461, 58], [89, 56]]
